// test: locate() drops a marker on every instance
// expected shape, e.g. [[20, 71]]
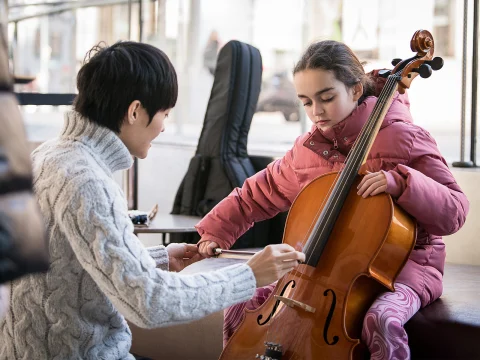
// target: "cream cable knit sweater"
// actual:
[[100, 272]]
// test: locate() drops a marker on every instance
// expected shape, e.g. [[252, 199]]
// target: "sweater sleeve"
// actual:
[[98, 228], [159, 255]]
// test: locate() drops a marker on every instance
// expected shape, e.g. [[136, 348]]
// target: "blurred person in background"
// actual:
[[211, 51], [23, 247]]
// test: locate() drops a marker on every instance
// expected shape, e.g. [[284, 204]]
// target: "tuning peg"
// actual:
[[384, 73], [396, 61], [424, 70], [436, 63]]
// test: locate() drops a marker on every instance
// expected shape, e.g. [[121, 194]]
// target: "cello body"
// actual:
[[369, 245]]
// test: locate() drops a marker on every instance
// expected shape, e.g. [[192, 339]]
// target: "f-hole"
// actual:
[[329, 318], [259, 318]]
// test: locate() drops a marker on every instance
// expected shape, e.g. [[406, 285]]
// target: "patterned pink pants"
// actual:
[[382, 332]]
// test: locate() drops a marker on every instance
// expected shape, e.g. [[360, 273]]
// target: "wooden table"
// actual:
[[164, 224]]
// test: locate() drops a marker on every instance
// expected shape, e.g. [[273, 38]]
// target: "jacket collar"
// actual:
[[343, 135]]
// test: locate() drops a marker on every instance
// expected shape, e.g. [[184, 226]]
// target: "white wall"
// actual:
[[464, 246]]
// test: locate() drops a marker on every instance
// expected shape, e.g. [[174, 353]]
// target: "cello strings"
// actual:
[[384, 96], [363, 141], [375, 113], [355, 153], [314, 222]]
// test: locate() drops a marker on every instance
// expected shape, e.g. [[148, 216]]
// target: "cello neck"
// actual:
[[321, 232], [365, 139]]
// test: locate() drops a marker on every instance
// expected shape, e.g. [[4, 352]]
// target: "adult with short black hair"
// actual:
[[99, 271]]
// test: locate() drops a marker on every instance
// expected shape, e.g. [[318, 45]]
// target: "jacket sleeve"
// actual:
[[97, 227], [261, 197], [427, 190]]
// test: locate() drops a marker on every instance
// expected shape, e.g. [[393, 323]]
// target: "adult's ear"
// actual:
[[133, 111]]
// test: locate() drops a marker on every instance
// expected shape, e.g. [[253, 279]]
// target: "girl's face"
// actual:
[[327, 101]]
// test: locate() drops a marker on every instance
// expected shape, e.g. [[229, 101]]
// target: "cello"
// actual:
[[316, 311]]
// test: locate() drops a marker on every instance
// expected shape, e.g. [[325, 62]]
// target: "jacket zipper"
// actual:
[[335, 144]]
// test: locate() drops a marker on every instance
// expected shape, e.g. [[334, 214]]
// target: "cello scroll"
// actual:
[[421, 64]]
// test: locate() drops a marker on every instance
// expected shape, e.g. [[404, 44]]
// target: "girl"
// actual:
[[404, 162], [99, 271]]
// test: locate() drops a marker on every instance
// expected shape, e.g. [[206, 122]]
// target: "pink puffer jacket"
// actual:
[[418, 179]]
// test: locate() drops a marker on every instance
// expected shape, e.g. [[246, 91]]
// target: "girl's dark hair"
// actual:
[[339, 58], [113, 77]]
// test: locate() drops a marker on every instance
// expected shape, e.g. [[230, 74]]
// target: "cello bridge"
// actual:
[[294, 303]]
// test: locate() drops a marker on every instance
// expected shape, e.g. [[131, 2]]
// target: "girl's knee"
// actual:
[[370, 326], [379, 324], [385, 337]]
